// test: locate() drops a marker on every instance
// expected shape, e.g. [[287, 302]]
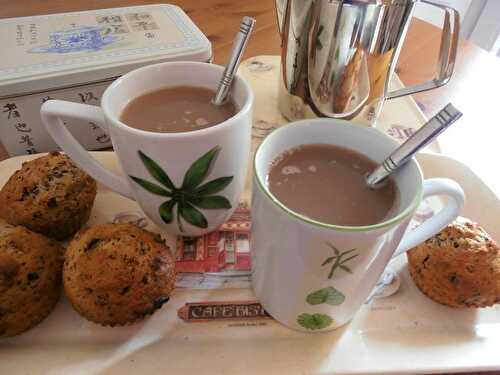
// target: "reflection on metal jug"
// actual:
[[337, 57]]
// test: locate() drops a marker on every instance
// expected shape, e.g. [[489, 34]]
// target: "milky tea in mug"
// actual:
[[327, 184], [176, 109]]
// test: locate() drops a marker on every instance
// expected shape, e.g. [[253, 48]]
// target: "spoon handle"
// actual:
[[237, 50], [426, 134]]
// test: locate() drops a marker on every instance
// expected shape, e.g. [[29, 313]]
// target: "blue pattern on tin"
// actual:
[[181, 20], [76, 39]]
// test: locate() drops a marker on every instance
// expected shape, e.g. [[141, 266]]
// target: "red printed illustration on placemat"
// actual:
[[227, 248]]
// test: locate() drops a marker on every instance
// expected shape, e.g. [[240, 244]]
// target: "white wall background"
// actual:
[[480, 20]]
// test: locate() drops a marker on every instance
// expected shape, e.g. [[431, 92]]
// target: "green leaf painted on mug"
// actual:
[[211, 202], [166, 211], [214, 186], [339, 259], [192, 215], [328, 260], [152, 188], [155, 171], [331, 246], [314, 321], [329, 295], [190, 194], [199, 170]]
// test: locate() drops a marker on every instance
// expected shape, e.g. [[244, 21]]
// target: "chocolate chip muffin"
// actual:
[[30, 278], [458, 267], [49, 195], [115, 274]]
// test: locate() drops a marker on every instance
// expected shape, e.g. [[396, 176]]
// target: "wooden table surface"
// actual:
[[474, 88]]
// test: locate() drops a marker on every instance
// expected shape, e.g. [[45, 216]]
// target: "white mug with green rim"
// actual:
[[313, 276], [188, 183]]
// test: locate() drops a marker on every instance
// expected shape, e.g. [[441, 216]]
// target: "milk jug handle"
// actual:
[[447, 54]]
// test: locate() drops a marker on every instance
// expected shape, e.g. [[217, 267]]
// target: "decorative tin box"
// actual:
[[75, 56]]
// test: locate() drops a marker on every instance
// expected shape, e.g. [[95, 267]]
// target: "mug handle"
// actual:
[[447, 54], [52, 112], [435, 186]]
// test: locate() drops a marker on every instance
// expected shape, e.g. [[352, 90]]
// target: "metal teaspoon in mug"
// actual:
[[239, 45], [426, 134]]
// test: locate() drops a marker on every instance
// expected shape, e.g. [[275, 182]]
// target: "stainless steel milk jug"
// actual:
[[337, 57]]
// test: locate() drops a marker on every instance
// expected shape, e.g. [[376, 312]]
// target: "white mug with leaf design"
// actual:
[[188, 183], [313, 276]]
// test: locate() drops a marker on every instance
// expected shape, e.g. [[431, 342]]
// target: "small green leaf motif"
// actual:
[[339, 260], [329, 295], [166, 211], [211, 202], [328, 260], [199, 169], [214, 186], [156, 171], [314, 321], [345, 268], [192, 215], [152, 188], [191, 194], [335, 250]]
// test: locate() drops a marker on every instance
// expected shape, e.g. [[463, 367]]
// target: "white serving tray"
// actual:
[[404, 333]]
